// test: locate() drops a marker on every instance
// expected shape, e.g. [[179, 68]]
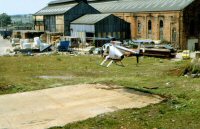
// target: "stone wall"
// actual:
[[178, 26]]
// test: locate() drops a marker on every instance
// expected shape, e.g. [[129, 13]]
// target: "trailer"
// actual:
[[164, 51]]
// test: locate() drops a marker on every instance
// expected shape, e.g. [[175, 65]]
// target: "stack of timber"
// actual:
[[159, 51]]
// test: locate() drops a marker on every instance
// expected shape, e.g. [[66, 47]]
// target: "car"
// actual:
[[186, 54]]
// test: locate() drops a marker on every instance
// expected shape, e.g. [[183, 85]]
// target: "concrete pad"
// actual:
[[59, 106]]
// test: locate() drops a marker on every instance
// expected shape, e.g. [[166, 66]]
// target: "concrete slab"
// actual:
[[59, 106]]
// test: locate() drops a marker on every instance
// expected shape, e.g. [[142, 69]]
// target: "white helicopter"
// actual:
[[116, 53]]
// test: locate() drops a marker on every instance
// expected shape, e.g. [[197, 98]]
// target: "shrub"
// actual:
[[194, 67]]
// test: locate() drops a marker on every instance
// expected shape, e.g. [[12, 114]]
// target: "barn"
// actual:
[[101, 26]]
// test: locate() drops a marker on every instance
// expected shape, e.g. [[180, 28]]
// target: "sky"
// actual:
[[13, 7]]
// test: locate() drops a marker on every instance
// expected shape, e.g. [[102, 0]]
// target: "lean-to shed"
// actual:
[[101, 26]]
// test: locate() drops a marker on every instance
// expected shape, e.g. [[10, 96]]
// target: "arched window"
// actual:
[[161, 29], [174, 35], [139, 27], [149, 27], [161, 24]]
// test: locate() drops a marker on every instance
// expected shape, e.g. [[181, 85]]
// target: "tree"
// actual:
[[4, 20]]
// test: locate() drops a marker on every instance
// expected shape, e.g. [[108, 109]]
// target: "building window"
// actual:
[[149, 27], [161, 29], [139, 27], [174, 35], [161, 24]]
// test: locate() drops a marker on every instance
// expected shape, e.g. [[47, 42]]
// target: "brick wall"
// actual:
[[171, 20]]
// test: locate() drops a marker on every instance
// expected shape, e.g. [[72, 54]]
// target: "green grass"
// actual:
[[180, 110]]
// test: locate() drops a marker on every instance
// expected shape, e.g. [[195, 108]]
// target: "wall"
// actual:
[[39, 23], [60, 23], [113, 26], [170, 20], [82, 28], [79, 30], [54, 23], [191, 24]]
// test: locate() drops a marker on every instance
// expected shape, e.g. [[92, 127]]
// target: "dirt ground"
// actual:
[[5, 46], [59, 106]]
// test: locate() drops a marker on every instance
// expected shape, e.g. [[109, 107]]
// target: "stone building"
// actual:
[[172, 21]]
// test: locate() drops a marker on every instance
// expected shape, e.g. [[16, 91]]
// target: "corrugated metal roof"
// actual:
[[60, 1], [141, 5], [90, 18], [123, 6], [64, 1], [61, 9]]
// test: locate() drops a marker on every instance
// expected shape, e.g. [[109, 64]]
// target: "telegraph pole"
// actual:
[[1, 24]]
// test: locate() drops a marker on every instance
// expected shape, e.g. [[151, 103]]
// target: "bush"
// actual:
[[194, 67]]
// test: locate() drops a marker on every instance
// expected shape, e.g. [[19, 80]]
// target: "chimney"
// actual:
[[78, 1]]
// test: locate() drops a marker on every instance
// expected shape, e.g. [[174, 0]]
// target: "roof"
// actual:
[[141, 5], [61, 1], [121, 6], [64, 1], [60, 9], [90, 18], [28, 31]]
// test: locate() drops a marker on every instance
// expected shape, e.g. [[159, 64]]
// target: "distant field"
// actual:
[[152, 75]]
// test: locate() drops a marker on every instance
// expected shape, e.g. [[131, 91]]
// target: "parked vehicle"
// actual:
[[63, 46], [73, 41], [186, 54]]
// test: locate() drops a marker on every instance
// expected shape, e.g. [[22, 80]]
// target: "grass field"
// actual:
[[152, 75]]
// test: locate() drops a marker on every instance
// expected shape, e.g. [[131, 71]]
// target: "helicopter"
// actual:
[[115, 53]]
